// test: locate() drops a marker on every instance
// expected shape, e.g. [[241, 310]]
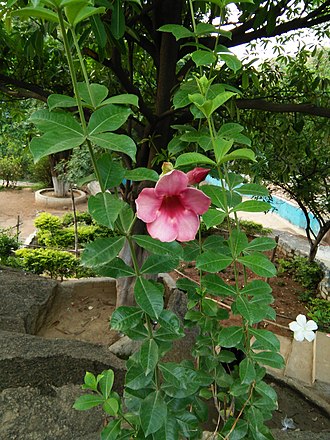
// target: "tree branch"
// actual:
[[22, 89], [261, 104]]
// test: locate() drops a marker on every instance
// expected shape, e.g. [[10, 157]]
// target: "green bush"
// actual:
[[48, 222], [307, 273], [8, 243], [56, 264], [11, 170], [319, 311], [82, 217]]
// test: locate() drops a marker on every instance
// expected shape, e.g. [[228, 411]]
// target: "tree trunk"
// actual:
[[315, 244], [61, 186]]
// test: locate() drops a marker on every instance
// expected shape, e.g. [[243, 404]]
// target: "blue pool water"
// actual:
[[284, 209]]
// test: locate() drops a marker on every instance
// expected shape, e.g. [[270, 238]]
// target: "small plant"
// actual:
[[8, 244], [48, 222], [307, 273], [319, 311], [82, 217], [56, 264]]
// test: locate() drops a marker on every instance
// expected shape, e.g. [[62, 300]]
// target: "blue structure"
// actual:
[[285, 209]]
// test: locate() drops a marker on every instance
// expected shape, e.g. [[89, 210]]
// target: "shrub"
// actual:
[[307, 273], [48, 222], [82, 217], [319, 311], [8, 243], [56, 264], [252, 228], [11, 170]]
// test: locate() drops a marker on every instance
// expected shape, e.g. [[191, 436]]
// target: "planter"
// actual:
[[47, 199]]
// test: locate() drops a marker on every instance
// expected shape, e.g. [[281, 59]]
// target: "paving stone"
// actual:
[[285, 350], [300, 362], [322, 357]]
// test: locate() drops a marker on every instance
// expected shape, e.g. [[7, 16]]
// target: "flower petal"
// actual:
[[148, 205], [311, 325], [195, 200], [188, 224], [172, 183], [163, 228], [301, 319], [294, 326], [310, 336], [299, 335], [197, 175]]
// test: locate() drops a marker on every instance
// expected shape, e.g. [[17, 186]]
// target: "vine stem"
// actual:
[[76, 92]]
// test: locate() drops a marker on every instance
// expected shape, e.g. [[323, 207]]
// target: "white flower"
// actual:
[[287, 423], [303, 329]]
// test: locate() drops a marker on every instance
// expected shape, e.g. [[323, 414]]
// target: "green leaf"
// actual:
[[106, 383], [177, 30], [117, 25], [90, 381], [55, 101], [171, 322], [111, 406], [231, 61], [256, 288], [217, 196], [173, 373], [181, 97], [241, 153], [220, 99], [221, 148], [102, 251], [125, 317], [249, 309], [105, 208], [115, 142], [111, 431], [230, 336], [205, 29], [136, 378], [203, 57], [217, 287], [252, 206], [153, 412], [117, 268], [108, 118], [247, 372], [209, 307], [158, 263], [213, 262], [38, 12], [126, 98], [87, 401], [56, 123], [240, 431], [139, 174], [158, 247], [51, 142], [260, 244], [125, 218], [149, 356], [86, 12], [253, 189], [192, 159], [111, 173], [213, 217], [149, 296], [259, 264], [238, 241], [99, 30], [265, 340], [93, 95], [269, 358]]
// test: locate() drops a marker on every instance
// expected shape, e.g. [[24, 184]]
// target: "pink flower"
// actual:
[[171, 210], [197, 175]]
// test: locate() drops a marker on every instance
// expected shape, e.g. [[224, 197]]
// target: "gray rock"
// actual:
[[32, 414], [27, 360], [124, 347], [299, 435], [25, 300]]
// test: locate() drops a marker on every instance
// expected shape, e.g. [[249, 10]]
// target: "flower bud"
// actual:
[[166, 168], [197, 175]]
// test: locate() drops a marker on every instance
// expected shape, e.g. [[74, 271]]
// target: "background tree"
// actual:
[[293, 150]]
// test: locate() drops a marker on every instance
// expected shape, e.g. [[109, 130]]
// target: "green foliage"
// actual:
[[8, 243], [56, 264], [319, 311], [40, 172], [307, 273], [55, 232], [11, 170]]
